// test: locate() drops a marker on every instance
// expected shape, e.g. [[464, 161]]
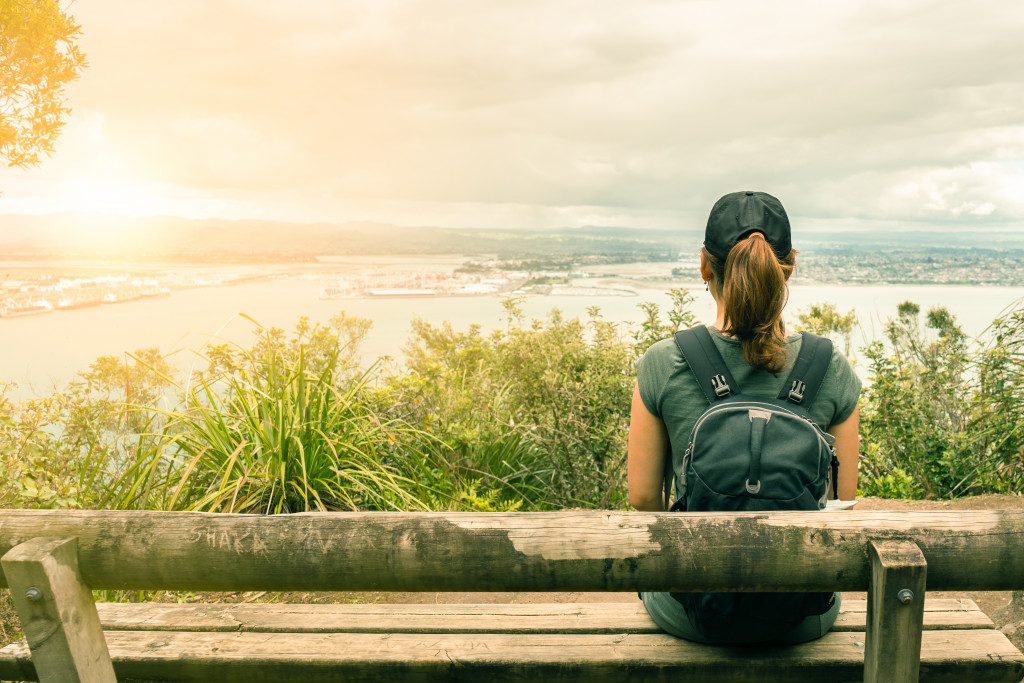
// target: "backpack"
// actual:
[[751, 454]]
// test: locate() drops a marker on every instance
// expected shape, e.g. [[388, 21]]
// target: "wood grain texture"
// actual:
[[939, 614], [558, 551], [949, 613], [892, 652], [60, 620], [947, 656]]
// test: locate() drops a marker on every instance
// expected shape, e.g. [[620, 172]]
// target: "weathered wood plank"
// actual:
[[978, 655], [895, 612], [57, 612], [563, 551], [304, 618], [952, 613], [939, 614]]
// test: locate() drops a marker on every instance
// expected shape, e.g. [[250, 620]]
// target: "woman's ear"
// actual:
[[705, 267]]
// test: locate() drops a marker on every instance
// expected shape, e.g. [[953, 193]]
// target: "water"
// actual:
[[46, 351]]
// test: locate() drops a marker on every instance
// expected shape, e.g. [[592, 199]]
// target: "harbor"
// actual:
[[420, 284], [37, 293], [43, 295], [40, 294]]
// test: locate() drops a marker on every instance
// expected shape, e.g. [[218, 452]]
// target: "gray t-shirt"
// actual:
[[670, 391]]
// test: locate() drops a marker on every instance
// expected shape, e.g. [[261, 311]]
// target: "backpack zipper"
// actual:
[[775, 410]]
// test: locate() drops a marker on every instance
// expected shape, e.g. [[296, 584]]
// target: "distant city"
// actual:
[[948, 266], [49, 265], [907, 267], [45, 288], [945, 266]]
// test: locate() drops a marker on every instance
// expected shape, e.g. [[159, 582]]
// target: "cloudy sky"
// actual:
[[540, 113]]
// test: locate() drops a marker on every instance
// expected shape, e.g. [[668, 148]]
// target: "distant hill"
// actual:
[[75, 235], [167, 238]]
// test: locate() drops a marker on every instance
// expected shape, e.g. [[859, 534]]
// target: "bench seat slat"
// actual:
[[361, 618], [358, 657], [947, 613], [939, 614]]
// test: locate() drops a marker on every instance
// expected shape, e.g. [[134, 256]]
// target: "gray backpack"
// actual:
[[752, 454]]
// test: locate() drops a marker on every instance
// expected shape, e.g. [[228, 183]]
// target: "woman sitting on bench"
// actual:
[[746, 262]]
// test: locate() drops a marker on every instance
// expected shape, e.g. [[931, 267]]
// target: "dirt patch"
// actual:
[[10, 627], [990, 502]]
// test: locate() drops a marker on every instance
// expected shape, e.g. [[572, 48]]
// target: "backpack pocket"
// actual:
[[746, 455]]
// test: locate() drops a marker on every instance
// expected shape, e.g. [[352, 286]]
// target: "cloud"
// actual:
[[896, 110]]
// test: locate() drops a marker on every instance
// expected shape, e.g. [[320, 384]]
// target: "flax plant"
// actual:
[[269, 435]]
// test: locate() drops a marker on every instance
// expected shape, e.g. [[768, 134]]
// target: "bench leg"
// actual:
[[57, 612], [895, 616]]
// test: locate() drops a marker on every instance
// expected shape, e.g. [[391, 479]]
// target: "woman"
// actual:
[[746, 262]]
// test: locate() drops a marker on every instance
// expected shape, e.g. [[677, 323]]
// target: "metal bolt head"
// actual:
[[33, 594], [905, 596]]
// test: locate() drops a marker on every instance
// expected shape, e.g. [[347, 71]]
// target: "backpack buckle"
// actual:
[[796, 392], [719, 385]]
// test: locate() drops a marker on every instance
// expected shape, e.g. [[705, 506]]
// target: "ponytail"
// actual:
[[752, 284]]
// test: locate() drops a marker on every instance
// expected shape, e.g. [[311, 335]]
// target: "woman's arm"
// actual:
[[648, 449], [847, 447]]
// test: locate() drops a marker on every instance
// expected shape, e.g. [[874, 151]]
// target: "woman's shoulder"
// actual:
[[662, 347], [842, 385], [842, 369], [664, 379], [661, 354]]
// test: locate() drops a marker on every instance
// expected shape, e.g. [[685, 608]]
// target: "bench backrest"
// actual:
[[557, 551]]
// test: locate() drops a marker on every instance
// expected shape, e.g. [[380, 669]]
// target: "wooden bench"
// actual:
[[51, 560]]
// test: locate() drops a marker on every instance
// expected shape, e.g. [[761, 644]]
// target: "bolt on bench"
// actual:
[[53, 559]]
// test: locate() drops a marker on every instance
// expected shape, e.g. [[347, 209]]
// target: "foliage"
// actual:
[[283, 426], [40, 57], [653, 329], [941, 419], [110, 397], [535, 411], [825, 319], [547, 280], [539, 410], [57, 451], [32, 471], [999, 416], [335, 344], [530, 416]]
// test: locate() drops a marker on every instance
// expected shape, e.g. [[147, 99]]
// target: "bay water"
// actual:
[[43, 352]]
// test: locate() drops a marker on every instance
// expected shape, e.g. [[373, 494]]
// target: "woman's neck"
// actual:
[[720, 314]]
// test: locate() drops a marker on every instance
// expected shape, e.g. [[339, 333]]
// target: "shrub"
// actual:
[[538, 411], [61, 450], [944, 414]]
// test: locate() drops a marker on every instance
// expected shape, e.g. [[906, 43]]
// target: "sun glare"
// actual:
[[111, 196]]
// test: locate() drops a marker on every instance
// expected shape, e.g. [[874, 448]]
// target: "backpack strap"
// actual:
[[809, 370], [712, 376], [706, 363], [806, 377]]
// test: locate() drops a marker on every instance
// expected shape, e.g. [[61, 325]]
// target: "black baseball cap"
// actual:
[[735, 216]]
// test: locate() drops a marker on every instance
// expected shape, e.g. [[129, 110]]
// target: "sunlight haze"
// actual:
[[541, 114]]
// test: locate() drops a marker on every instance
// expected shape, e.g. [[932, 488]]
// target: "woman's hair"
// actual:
[[752, 284]]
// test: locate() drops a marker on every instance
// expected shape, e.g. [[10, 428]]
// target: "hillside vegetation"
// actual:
[[532, 416]]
